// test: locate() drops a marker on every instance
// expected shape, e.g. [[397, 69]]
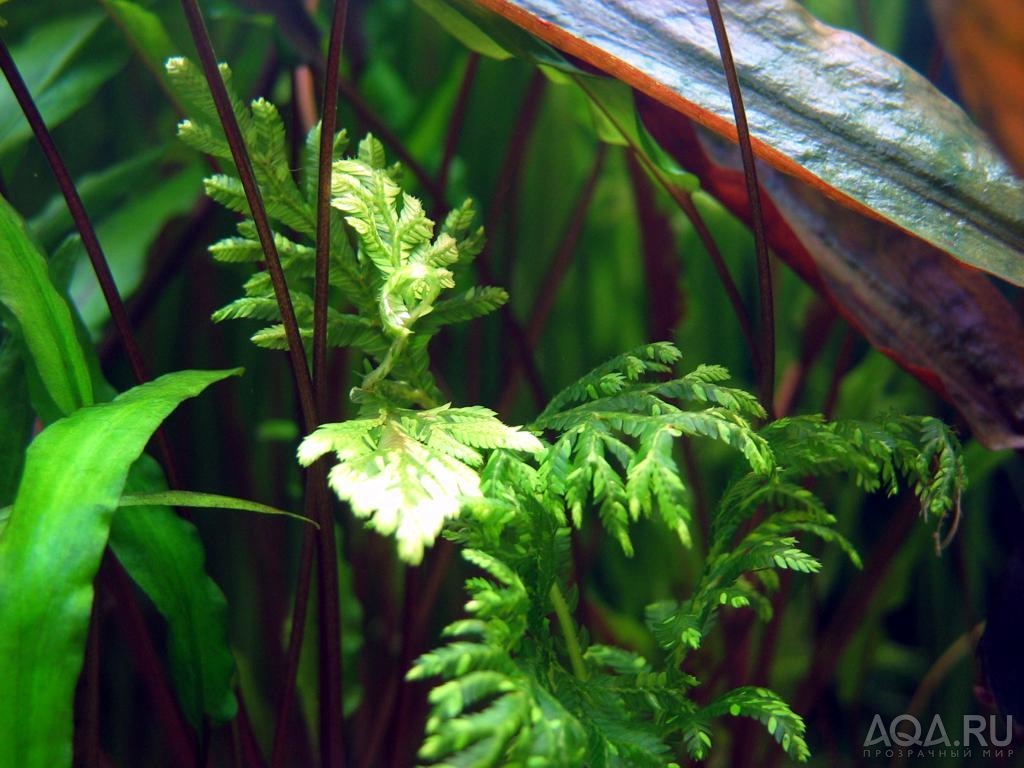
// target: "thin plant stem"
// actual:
[[331, 716], [684, 200], [572, 643], [87, 732], [766, 345], [508, 180], [451, 141], [332, 724], [182, 748], [365, 113], [90, 242], [240, 155], [300, 606]]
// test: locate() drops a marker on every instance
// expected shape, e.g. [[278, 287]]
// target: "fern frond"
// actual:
[[609, 378], [404, 473], [475, 302], [763, 705]]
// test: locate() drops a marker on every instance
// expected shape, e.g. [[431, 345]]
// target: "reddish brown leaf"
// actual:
[[984, 40], [823, 105], [946, 324]]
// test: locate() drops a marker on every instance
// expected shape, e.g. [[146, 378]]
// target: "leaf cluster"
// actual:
[[517, 687], [390, 276], [506, 670]]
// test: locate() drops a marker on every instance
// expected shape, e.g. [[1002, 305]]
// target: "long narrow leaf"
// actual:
[[50, 550], [42, 316]]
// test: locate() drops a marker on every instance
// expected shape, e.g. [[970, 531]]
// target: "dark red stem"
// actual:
[[766, 346]]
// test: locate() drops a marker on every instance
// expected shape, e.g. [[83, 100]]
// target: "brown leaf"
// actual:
[[945, 323], [984, 40]]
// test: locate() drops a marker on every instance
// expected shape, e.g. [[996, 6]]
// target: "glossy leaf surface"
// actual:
[[947, 325], [823, 105]]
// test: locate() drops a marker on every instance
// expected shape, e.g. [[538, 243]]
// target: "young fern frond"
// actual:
[[759, 703], [409, 471]]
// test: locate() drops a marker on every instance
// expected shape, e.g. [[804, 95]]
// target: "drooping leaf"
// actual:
[[823, 105], [198, 500], [163, 555], [50, 550], [948, 325], [43, 318]]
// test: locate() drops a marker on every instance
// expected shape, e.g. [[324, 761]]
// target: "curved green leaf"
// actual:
[[198, 500], [43, 317], [163, 555], [823, 105], [50, 550]]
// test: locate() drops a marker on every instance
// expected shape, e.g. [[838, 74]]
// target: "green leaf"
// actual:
[[74, 474], [58, 89], [43, 318], [164, 556], [198, 500], [126, 236], [888, 142], [144, 31]]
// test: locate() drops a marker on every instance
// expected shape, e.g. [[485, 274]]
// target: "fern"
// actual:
[[519, 681], [409, 471]]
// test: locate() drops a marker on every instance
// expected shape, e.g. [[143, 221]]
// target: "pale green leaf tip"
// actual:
[[313, 447]]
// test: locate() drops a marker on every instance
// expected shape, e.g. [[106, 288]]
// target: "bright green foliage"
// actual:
[[518, 688], [387, 268], [410, 471], [617, 432], [612, 453], [74, 473], [406, 470], [40, 316]]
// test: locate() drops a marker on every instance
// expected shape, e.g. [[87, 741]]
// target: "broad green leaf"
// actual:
[[126, 236], [823, 105], [43, 318], [58, 88], [164, 556], [74, 474]]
